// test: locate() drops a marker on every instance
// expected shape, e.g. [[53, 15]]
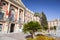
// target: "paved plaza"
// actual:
[[12, 36]]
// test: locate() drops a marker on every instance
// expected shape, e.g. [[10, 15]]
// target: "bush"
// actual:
[[41, 37], [30, 39], [44, 38]]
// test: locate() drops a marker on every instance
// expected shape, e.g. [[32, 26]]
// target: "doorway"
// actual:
[[12, 27]]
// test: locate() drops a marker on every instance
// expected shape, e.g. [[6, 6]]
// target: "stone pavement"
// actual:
[[57, 38], [16, 36], [12, 36], [6, 38]]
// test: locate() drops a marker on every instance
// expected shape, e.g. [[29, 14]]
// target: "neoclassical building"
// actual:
[[53, 23], [13, 14], [28, 15]]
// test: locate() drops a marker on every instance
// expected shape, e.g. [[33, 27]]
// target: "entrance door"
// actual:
[[12, 27]]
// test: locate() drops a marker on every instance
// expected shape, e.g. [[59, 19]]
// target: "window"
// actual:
[[0, 27], [4, 3], [11, 17], [19, 19], [1, 16], [58, 27]]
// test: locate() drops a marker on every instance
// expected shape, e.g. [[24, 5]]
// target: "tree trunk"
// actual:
[[33, 35]]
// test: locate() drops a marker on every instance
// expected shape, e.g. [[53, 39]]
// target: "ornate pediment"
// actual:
[[20, 2]]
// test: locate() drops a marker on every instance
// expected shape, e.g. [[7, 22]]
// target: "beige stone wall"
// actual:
[[28, 16], [5, 27], [16, 29], [36, 19], [53, 23]]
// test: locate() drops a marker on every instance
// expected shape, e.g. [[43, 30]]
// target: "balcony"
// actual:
[[20, 21], [10, 18]]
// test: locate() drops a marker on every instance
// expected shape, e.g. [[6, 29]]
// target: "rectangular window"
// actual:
[[11, 17], [58, 28], [1, 16], [0, 27]]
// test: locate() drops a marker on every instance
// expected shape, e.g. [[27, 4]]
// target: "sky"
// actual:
[[51, 8]]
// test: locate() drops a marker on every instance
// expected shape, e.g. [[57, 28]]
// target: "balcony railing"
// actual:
[[20, 21], [11, 19]]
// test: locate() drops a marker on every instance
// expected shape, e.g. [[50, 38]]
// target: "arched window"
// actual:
[[4, 3]]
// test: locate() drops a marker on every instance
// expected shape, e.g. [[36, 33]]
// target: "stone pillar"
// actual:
[[8, 9], [8, 30], [9, 25], [23, 16], [18, 15]]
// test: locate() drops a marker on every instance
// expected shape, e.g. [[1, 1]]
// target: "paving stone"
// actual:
[[13, 36]]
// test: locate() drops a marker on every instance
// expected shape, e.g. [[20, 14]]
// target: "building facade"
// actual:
[[28, 15], [13, 14], [53, 23]]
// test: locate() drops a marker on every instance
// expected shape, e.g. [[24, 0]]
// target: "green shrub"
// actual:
[[41, 38], [30, 39], [44, 38]]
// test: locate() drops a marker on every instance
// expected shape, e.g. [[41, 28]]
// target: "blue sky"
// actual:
[[51, 8]]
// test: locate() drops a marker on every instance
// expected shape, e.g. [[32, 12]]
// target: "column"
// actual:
[[8, 10], [18, 15], [23, 16], [9, 25], [8, 7]]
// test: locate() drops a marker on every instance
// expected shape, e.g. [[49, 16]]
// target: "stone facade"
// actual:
[[13, 14], [53, 23]]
